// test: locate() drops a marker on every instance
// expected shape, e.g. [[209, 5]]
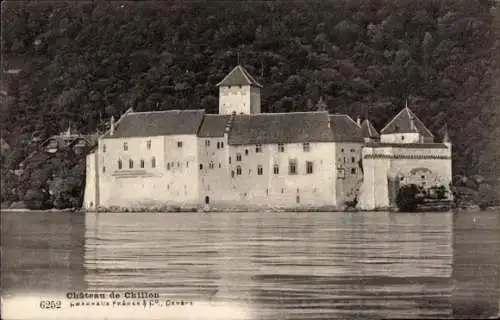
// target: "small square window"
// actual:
[[306, 147], [281, 147], [258, 148], [353, 170], [207, 143], [179, 144]]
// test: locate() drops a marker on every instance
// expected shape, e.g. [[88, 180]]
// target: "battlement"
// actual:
[[406, 151]]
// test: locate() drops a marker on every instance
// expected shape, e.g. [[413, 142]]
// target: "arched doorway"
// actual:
[[207, 199]]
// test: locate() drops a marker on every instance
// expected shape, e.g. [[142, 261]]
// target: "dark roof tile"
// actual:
[[239, 76], [345, 129], [213, 125], [368, 130], [295, 127], [401, 123], [158, 123]]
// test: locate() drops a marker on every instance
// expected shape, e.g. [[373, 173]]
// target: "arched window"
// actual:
[[153, 162], [142, 163], [131, 163], [119, 164]]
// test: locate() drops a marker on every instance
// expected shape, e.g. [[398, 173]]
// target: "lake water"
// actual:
[[257, 265]]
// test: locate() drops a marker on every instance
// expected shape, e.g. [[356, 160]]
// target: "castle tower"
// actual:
[[239, 92]]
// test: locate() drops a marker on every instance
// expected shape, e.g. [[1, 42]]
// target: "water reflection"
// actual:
[[276, 266], [42, 252]]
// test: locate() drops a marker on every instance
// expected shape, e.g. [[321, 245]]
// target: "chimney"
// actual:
[[112, 129]]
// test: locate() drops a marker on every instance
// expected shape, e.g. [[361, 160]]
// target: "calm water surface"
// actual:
[[278, 265]]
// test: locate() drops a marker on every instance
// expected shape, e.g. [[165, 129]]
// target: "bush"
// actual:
[[408, 198]]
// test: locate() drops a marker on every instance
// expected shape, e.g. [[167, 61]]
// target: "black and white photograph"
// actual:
[[264, 160]]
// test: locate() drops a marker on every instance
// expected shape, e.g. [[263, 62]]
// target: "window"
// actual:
[[260, 170], [353, 159], [309, 167], [168, 165], [207, 143], [238, 156], [341, 150], [211, 165], [179, 144], [187, 164], [125, 146], [305, 146], [142, 163], [238, 170], [423, 177], [396, 128], [281, 147], [402, 138], [131, 163], [222, 144], [178, 164], [276, 169], [229, 160], [353, 170], [153, 162], [292, 166], [258, 148], [103, 148], [246, 152], [103, 169], [297, 199], [120, 165], [220, 166], [148, 144], [232, 173], [201, 166], [344, 159], [218, 145]]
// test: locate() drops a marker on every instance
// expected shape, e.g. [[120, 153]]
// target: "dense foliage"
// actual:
[[92, 60]]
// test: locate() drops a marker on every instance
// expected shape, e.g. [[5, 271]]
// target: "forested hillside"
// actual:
[[91, 60]]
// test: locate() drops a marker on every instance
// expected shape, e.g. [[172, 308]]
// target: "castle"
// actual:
[[242, 158]]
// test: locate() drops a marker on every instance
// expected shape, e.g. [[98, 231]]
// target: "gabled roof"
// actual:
[[157, 123], [368, 130], [345, 129], [239, 76], [266, 128], [213, 125], [401, 123]]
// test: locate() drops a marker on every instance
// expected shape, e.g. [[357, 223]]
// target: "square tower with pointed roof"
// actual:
[[239, 93]]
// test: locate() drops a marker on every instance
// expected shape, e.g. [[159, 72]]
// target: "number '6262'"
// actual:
[[50, 304]]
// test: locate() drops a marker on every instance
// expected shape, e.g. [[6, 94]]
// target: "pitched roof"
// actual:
[[266, 128], [345, 129], [213, 125], [239, 76], [401, 123], [158, 123], [368, 130]]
